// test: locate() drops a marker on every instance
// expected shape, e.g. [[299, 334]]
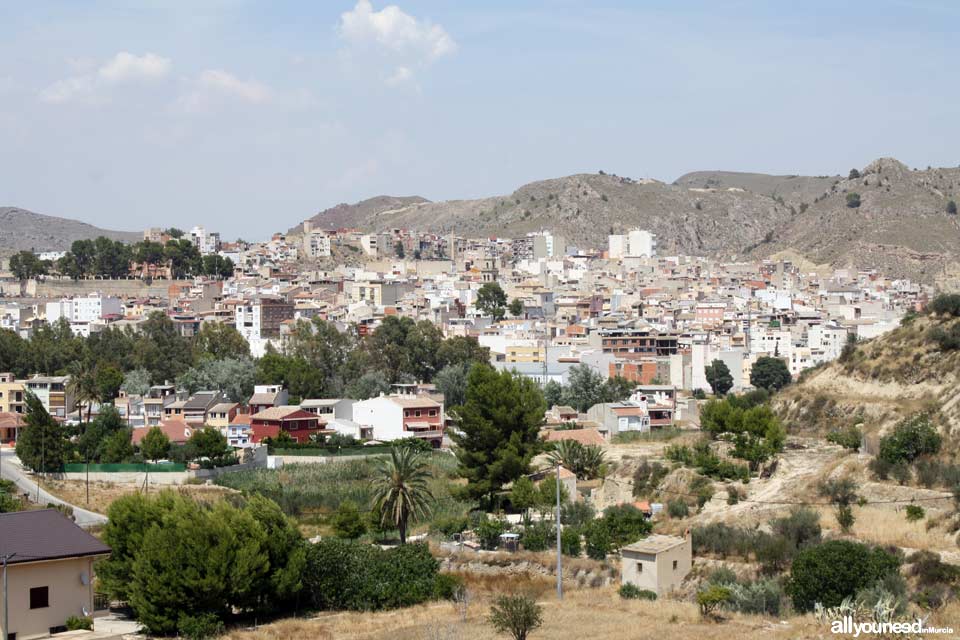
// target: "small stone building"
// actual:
[[658, 563]]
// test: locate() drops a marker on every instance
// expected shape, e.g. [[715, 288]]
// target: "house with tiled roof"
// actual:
[[176, 430], [400, 415], [300, 425]]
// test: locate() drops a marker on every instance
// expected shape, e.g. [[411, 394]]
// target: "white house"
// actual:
[[400, 415]]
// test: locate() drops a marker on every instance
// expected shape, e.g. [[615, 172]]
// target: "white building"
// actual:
[[369, 244], [636, 243], [397, 416], [316, 243], [82, 310], [205, 242]]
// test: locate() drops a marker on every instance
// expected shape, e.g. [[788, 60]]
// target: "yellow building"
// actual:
[[12, 395], [523, 353]]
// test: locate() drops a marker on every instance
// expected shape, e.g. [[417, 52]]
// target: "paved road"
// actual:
[[10, 469]]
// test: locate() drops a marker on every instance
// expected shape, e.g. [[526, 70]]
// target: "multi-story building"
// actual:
[[635, 339], [157, 397], [206, 242], [262, 317], [12, 394], [316, 243], [53, 392], [84, 309]]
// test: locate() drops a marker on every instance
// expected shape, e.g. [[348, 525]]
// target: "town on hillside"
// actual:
[[610, 417]]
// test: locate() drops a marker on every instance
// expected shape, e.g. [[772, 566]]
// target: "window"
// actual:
[[39, 597], [639, 567], [674, 565]]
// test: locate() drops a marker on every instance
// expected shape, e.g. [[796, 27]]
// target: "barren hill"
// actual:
[[880, 382], [902, 226], [793, 189], [346, 215], [22, 230]]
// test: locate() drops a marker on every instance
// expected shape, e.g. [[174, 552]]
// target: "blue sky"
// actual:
[[248, 117]]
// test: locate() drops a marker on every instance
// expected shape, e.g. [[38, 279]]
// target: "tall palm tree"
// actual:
[[83, 386], [400, 491]]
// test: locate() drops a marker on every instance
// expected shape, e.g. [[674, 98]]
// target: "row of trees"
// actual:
[[585, 388], [106, 258]]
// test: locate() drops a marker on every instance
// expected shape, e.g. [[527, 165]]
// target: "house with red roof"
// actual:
[[297, 423]]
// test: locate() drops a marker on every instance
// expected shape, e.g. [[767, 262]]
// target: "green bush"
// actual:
[[913, 437], [347, 575], [538, 536], [347, 521], [597, 538], [763, 597], [570, 541], [848, 438], [914, 513], [723, 540], [488, 532], [76, 623], [625, 524], [677, 508], [853, 200], [722, 575], [712, 598], [801, 527], [945, 304], [447, 586], [633, 592], [450, 525], [517, 615], [829, 572], [201, 626]]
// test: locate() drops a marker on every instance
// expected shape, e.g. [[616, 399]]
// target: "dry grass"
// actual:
[[596, 613], [890, 527], [103, 494]]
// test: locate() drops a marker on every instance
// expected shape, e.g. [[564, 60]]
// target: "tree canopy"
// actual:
[[770, 373], [498, 429]]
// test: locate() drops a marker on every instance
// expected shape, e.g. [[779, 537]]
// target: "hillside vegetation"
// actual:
[[878, 382]]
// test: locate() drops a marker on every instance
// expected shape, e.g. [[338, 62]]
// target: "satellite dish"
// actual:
[[186, 432], [84, 578]]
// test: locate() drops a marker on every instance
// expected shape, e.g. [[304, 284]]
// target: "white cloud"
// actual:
[[399, 76], [394, 35], [126, 66], [215, 86], [89, 86]]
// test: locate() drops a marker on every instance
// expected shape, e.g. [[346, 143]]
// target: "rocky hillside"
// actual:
[[882, 381], [347, 215], [901, 227], [22, 230]]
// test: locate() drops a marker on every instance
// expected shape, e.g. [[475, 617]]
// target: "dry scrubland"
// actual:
[[103, 494], [584, 613]]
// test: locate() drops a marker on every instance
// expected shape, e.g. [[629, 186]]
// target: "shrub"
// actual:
[[853, 200], [849, 438], [517, 615], [488, 532], [723, 540], [910, 439], [450, 525], [952, 208], [773, 553], [930, 570], [945, 304], [734, 494], [800, 528], [722, 575], [712, 598], [447, 586], [577, 513], [633, 592], [597, 539], [200, 627], [647, 477], [570, 542], [829, 572], [539, 536], [880, 468], [347, 575], [763, 597], [677, 508], [914, 512], [76, 623], [347, 521], [624, 524], [947, 339]]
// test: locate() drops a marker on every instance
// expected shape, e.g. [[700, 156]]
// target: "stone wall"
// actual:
[[133, 288]]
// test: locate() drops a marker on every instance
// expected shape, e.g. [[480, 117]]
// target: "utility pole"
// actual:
[[559, 555]]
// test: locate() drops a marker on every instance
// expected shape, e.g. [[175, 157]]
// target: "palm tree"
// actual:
[[83, 386], [400, 491]]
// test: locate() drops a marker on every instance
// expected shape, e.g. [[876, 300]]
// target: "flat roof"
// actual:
[[654, 544]]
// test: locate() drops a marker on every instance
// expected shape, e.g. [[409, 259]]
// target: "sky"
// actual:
[[249, 116]]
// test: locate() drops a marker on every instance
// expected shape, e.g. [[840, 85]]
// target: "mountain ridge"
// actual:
[[901, 227], [25, 230]]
